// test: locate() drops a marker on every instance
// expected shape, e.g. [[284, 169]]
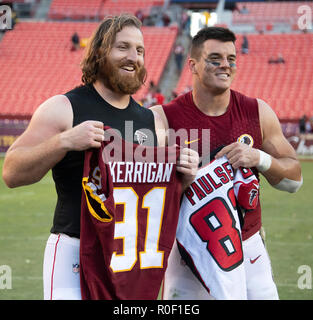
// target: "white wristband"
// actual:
[[289, 185], [264, 162]]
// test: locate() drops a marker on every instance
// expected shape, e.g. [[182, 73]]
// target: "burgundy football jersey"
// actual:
[[239, 123], [130, 207]]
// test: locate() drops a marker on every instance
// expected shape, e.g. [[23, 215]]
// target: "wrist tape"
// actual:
[[289, 185], [264, 162]]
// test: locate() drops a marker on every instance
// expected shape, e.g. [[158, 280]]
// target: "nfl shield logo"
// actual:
[[75, 268]]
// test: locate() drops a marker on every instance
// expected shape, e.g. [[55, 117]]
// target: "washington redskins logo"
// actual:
[[246, 139]]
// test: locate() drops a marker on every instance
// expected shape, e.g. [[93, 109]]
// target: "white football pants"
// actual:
[[61, 280], [259, 275], [181, 284]]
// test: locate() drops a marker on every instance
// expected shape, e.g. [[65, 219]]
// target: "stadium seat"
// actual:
[[97, 9], [112, 7], [75, 9], [36, 62], [268, 12], [280, 85]]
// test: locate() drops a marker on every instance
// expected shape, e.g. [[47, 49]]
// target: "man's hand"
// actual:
[[240, 155], [187, 164], [88, 134]]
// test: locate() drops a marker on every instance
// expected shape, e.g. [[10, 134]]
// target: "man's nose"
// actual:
[[224, 63], [132, 55]]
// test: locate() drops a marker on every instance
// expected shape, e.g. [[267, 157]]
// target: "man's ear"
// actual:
[[192, 65]]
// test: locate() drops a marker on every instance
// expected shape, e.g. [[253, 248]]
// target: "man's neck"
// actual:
[[209, 103], [117, 100]]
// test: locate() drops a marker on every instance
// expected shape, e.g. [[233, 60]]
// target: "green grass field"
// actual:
[[26, 215]]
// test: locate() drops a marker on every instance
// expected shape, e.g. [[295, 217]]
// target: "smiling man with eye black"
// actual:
[[252, 138]]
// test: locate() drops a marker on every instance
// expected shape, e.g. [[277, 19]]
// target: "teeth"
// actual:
[[129, 68], [223, 75]]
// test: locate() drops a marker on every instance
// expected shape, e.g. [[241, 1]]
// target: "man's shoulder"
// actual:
[[140, 112], [239, 94], [78, 90], [178, 102], [139, 108], [242, 98]]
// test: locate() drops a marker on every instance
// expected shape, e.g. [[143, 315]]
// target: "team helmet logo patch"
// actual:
[[253, 199], [246, 139], [140, 136]]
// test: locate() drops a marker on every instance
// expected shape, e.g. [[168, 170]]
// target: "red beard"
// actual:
[[110, 75]]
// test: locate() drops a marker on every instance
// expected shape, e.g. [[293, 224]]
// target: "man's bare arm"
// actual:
[[285, 163], [45, 142], [282, 159]]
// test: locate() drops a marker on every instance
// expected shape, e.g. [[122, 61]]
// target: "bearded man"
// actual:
[[64, 126]]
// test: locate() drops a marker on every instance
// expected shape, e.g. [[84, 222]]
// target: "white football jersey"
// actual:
[[209, 233]]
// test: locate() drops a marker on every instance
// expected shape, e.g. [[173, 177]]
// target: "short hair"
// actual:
[[207, 33], [101, 43]]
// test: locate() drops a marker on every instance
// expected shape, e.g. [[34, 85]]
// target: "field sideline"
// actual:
[[26, 215]]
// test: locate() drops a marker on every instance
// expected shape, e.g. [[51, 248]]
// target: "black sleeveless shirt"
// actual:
[[87, 104]]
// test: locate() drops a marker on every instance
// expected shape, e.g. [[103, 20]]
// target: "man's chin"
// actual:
[[122, 81], [129, 86], [220, 89], [223, 85], [129, 83]]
